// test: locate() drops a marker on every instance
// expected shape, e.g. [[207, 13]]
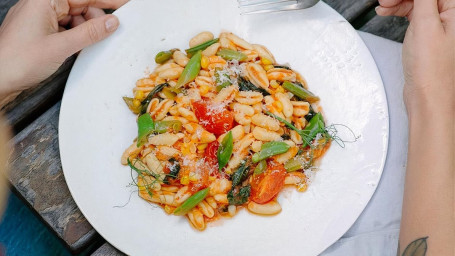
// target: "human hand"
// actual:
[[34, 42], [428, 53]]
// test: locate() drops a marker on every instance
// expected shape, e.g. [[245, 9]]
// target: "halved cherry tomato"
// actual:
[[214, 117], [265, 186], [210, 165]]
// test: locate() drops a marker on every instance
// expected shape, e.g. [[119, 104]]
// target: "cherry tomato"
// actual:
[[210, 165], [265, 186], [214, 117]]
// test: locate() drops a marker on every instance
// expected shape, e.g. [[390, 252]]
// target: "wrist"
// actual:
[[429, 101]]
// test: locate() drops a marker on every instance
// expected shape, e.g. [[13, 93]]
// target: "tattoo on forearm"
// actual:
[[416, 248]]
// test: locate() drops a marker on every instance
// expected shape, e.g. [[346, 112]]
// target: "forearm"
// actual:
[[428, 208]]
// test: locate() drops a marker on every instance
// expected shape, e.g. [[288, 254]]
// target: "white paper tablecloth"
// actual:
[[376, 231]]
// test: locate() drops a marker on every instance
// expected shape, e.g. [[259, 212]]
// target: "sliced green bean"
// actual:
[[270, 149], [300, 92], [191, 202], [261, 167], [225, 150], [222, 80], [190, 71], [165, 126], [229, 54], [293, 165], [129, 103], [164, 56], [200, 47], [145, 126]]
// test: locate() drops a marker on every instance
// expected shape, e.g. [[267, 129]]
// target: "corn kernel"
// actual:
[[169, 209], [193, 178], [278, 106], [280, 89], [302, 187], [139, 95], [212, 178], [205, 62], [136, 103], [185, 180], [266, 61], [202, 146], [204, 89], [274, 84], [268, 67]]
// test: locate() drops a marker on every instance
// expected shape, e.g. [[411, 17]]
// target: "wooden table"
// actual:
[[37, 175]]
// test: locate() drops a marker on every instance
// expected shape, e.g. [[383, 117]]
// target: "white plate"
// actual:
[[96, 126]]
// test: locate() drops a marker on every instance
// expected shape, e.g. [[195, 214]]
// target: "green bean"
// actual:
[[270, 149], [261, 167], [293, 165], [225, 150], [164, 56], [200, 47], [129, 102], [191, 202], [300, 92], [190, 71], [315, 125], [146, 101], [145, 126], [229, 54], [165, 126]]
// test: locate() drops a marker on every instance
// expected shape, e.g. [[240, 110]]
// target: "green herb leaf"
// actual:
[[145, 126], [220, 85], [315, 126], [241, 174], [261, 167], [225, 150], [146, 101], [245, 85], [270, 149], [240, 197], [191, 202], [190, 71]]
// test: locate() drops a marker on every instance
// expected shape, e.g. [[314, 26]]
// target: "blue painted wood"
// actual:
[[22, 233]]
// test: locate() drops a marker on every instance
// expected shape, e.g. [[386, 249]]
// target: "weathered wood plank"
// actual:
[[107, 250], [351, 9], [36, 173], [393, 28]]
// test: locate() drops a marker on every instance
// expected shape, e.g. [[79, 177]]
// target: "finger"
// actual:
[[61, 29], [71, 41], [93, 13], [65, 21], [389, 3], [77, 20], [403, 10], [424, 9], [61, 8], [104, 4]]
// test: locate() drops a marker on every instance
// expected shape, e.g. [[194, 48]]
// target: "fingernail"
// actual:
[[111, 24]]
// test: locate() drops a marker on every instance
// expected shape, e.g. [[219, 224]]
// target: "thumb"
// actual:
[[92, 31]]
